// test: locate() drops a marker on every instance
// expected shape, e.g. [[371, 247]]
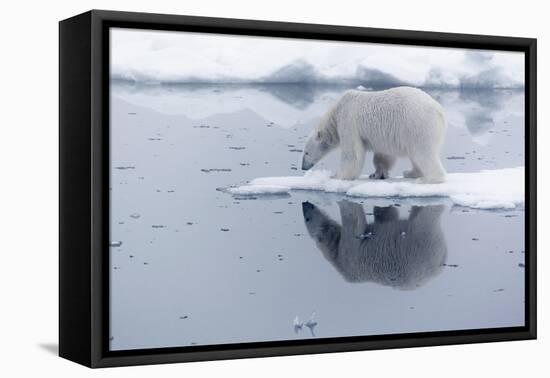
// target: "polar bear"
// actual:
[[400, 253], [397, 122]]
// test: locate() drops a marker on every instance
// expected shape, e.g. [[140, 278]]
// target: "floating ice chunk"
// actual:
[[312, 180], [135, 215], [125, 167], [208, 170], [115, 244], [487, 189], [247, 190], [298, 325], [311, 324], [476, 202]]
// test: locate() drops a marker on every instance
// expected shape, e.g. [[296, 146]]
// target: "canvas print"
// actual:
[[278, 189]]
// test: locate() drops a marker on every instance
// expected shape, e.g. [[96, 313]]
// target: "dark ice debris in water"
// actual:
[[184, 317], [201, 127], [451, 265], [123, 167], [145, 263], [115, 244], [236, 148], [215, 170], [294, 168], [135, 215], [244, 164], [366, 235], [277, 212], [158, 226], [498, 290], [189, 223], [132, 113], [475, 239], [295, 150], [455, 158], [170, 191], [154, 138], [224, 229], [521, 265]]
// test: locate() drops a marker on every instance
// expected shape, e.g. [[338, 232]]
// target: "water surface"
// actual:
[[197, 266]]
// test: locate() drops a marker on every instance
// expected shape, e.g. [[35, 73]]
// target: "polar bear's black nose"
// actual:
[[306, 209], [306, 165]]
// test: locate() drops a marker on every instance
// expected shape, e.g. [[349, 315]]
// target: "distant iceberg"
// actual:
[[487, 189], [174, 57]]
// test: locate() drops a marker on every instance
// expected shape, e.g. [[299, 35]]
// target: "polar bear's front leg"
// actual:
[[352, 160], [382, 163]]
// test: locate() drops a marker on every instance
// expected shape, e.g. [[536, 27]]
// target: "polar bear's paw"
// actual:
[[413, 173], [379, 175], [430, 180]]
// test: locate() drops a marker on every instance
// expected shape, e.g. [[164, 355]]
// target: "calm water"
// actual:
[[198, 266]]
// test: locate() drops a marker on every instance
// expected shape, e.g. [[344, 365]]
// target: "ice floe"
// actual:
[[487, 189]]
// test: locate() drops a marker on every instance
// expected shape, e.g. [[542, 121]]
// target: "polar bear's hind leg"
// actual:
[[382, 163], [431, 168], [413, 173]]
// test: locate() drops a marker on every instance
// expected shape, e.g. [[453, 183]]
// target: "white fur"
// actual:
[[398, 122]]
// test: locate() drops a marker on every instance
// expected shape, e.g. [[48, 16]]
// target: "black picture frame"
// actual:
[[83, 181]]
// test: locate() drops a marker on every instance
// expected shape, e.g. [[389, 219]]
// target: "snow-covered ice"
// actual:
[[173, 57], [487, 189], [246, 190]]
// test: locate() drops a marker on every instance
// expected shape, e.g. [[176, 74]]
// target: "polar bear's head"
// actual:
[[325, 231], [321, 141]]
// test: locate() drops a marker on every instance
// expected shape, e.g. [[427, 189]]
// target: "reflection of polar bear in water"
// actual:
[[402, 253], [398, 122]]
